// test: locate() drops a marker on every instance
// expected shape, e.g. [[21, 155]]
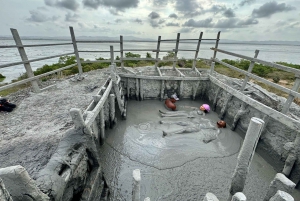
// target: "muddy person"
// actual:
[[187, 127], [203, 109]]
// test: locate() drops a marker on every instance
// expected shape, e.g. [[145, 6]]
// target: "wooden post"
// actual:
[[290, 99], [157, 51], [197, 50], [282, 196], [224, 108], [137, 88], [212, 68], [136, 188], [24, 57], [102, 126], [210, 197], [112, 110], [142, 89], [239, 197], [214, 107], [246, 154], [76, 50], [121, 51], [162, 90], [77, 118], [195, 88], [249, 71], [217, 43], [176, 50], [128, 89], [111, 55], [21, 186], [280, 182], [4, 194]]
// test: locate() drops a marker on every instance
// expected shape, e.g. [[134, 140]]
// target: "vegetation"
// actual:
[[2, 77], [272, 74]]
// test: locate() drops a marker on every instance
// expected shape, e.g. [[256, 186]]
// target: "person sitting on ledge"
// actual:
[[5, 105]]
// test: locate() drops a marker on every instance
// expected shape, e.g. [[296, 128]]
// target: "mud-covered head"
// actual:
[[221, 124], [205, 108]]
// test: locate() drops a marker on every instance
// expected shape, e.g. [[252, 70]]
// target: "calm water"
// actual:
[[271, 53]]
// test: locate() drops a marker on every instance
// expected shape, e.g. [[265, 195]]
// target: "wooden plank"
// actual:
[[34, 78], [101, 61], [97, 41], [139, 50], [286, 90], [163, 77], [35, 45], [139, 59], [159, 72], [180, 73], [290, 122], [184, 50], [270, 64], [98, 51], [33, 60], [88, 122]]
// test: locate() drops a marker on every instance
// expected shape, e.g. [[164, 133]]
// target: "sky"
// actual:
[[236, 19]]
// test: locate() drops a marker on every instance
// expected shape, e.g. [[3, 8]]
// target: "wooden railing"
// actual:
[[33, 79], [291, 92]]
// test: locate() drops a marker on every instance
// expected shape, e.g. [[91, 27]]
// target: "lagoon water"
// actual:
[[272, 53]]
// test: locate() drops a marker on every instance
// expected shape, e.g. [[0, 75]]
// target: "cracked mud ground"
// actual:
[[30, 134]]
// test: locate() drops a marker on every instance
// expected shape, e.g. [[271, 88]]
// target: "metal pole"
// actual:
[[249, 70], [290, 99], [76, 50], [24, 57], [197, 50], [176, 50], [217, 43], [246, 155], [157, 50], [121, 51], [112, 55]]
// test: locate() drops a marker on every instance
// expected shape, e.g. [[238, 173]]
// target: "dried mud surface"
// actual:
[[30, 134]]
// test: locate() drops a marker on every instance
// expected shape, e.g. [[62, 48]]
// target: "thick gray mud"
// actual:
[[178, 166]]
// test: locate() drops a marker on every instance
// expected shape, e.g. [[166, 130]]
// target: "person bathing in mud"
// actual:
[[190, 127], [205, 108]]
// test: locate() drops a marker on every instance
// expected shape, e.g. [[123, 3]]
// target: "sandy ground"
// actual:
[[30, 134]]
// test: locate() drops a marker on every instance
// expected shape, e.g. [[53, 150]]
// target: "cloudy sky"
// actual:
[[236, 19]]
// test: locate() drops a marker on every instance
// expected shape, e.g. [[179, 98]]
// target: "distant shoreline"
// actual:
[[224, 41]]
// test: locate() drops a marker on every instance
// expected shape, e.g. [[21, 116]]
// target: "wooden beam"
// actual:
[[278, 116]]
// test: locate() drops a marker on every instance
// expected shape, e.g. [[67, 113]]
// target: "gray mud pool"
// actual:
[[178, 166]]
